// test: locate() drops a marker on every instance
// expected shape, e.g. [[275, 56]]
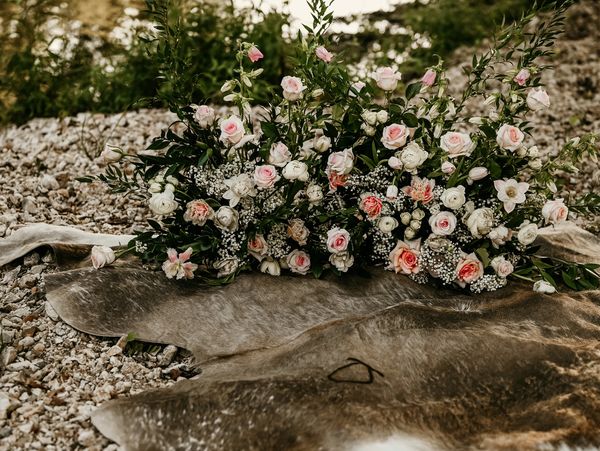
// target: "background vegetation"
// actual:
[[50, 65]]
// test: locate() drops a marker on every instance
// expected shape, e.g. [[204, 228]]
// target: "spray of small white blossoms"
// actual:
[[336, 174]]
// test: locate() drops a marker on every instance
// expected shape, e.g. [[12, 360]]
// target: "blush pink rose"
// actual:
[[337, 240], [298, 262], [258, 247], [341, 162], [457, 144], [265, 176], [429, 78], [232, 130], [371, 205], [468, 270], [395, 136], [292, 88], [404, 258], [254, 54], [443, 223], [509, 137], [555, 211], [323, 54], [448, 168], [387, 78]]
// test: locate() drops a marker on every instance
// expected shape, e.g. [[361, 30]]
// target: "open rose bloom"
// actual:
[[336, 172]]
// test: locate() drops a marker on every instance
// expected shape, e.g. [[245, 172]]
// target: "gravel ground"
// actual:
[[51, 376]]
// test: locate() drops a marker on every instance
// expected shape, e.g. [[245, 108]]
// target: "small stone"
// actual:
[[7, 336], [28, 281], [38, 349], [29, 331], [10, 276], [49, 183], [122, 343], [26, 342], [29, 205], [167, 356], [8, 356], [7, 405], [37, 269], [50, 311], [86, 438], [114, 350], [31, 259]]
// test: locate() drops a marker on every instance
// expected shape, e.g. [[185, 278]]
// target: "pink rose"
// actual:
[[522, 77], [265, 176], [254, 54], [468, 270], [395, 136], [232, 130], [429, 78], [323, 54], [204, 116], [337, 240], [457, 144], [555, 211], [448, 168], [258, 247], [420, 189], [509, 137], [443, 223], [292, 88], [502, 266], [404, 258], [279, 155], [298, 262], [336, 181], [371, 205], [198, 212], [341, 162], [386, 78]]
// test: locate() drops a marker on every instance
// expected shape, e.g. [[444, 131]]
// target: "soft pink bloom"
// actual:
[[254, 54], [511, 193], [468, 270], [538, 99], [448, 168], [340, 162], [279, 155], [478, 173], [258, 247], [509, 137], [457, 144], [265, 176], [204, 116], [337, 240], [404, 258], [555, 211], [391, 192], [232, 130], [371, 205], [323, 54], [101, 256], [443, 223], [198, 212], [502, 266], [358, 86], [298, 262], [395, 136], [420, 189], [336, 180], [395, 163], [429, 78], [522, 77], [178, 266], [292, 88], [386, 78]]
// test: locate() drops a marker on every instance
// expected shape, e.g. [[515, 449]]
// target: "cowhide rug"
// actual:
[[341, 364]]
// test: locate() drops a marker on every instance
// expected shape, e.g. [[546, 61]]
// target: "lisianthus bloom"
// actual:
[[323, 54], [538, 99], [178, 266], [292, 88], [420, 189], [511, 193], [522, 77], [254, 54], [404, 258], [555, 211], [468, 270]]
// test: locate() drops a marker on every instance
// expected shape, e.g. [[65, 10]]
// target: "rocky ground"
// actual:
[[52, 376]]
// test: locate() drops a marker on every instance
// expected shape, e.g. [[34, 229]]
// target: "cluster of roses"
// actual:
[[421, 199]]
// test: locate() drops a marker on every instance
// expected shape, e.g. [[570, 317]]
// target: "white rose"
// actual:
[[527, 234], [395, 136], [457, 144], [535, 164], [538, 99], [555, 211], [509, 137], [226, 218], [502, 266], [480, 222], [265, 176], [368, 129], [443, 223], [382, 116], [279, 155], [392, 192], [163, 203], [386, 224], [232, 130], [322, 143], [453, 198], [298, 262], [342, 261], [499, 235], [413, 156], [240, 186], [101, 256], [314, 193], [111, 154], [386, 78], [155, 188], [370, 117], [296, 170], [341, 162], [543, 287], [204, 115], [292, 88], [270, 266]]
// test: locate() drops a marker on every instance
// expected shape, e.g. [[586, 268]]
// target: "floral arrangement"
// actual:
[[336, 174]]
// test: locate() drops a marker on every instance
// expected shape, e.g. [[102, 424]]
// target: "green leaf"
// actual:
[[412, 90]]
